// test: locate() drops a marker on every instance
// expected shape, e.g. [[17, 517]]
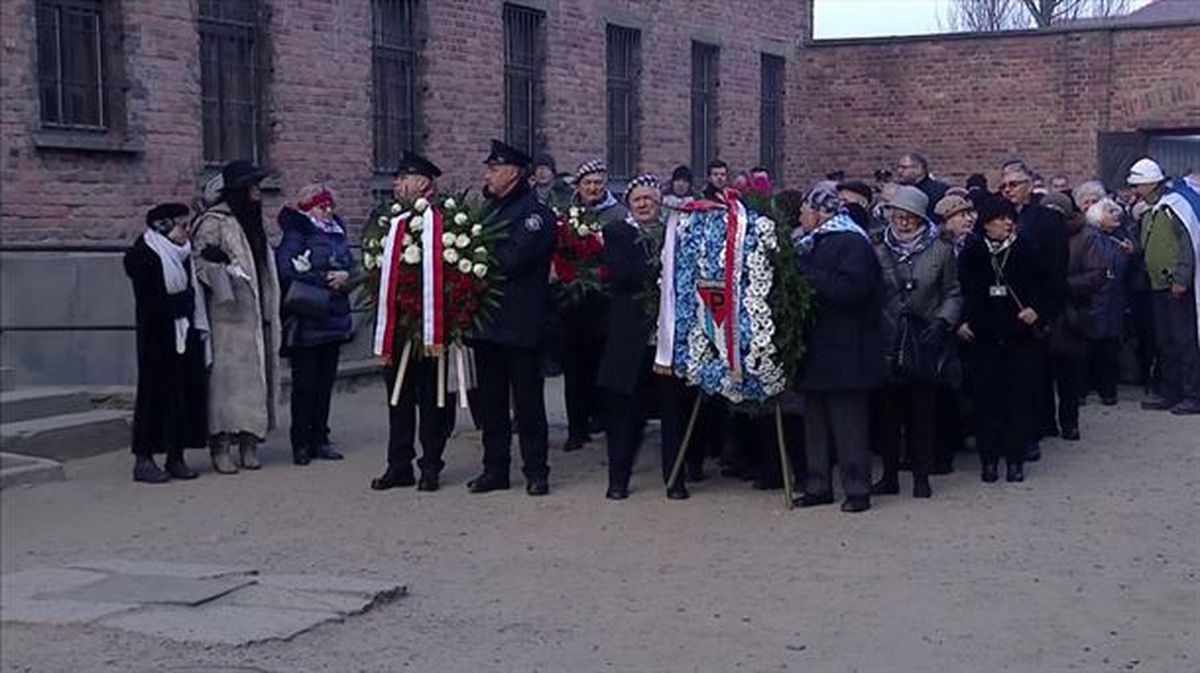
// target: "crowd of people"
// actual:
[[941, 313]]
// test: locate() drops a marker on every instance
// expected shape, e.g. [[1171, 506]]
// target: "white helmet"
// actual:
[[1145, 172]]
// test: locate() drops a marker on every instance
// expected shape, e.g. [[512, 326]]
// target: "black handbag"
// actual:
[[308, 301], [922, 361]]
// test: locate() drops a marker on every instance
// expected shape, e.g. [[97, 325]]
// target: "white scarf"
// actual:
[[1191, 224], [176, 279], [664, 354]]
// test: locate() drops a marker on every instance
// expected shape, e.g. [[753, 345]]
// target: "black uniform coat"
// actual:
[[1045, 231], [627, 256], [845, 341], [172, 393], [524, 258]]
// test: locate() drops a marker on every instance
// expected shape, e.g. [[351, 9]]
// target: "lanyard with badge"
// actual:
[[1000, 288]]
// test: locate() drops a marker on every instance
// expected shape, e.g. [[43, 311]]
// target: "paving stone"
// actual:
[[290, 599], [57, 612], [18, 469], [187, 570], [220, 624], [154, 590], [30, 583], [388, 588]]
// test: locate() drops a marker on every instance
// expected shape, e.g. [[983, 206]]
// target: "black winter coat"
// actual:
[[845, 341], [329, 252], [1045, 231], [172, 389], [627, 256], [523, 255], [993, 318]]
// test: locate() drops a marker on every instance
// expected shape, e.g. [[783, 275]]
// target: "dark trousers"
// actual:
[[1141, 327], [909, 412], [418, 393], [765, 439], [1104, 365], [314, 370], [950, 431], [1046, 417], [677, 401], [580, 363], [510, 374], [837, 421], [1067, 374], [1178, 354], [1007, 379]]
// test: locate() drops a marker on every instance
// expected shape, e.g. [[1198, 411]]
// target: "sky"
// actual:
[[866, 18]]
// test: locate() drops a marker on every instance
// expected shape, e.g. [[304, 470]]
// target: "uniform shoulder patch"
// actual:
[[533, 223]]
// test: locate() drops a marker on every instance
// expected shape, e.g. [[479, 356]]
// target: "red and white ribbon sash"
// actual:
[[735, 231], [385, 312], [433, 330]]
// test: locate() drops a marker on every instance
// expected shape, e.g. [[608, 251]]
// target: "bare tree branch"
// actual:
[[991, 15]]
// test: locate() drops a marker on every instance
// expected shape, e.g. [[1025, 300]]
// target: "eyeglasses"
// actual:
[[1013, 184]]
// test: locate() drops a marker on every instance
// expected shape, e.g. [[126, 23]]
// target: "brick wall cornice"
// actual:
[[815, 43]]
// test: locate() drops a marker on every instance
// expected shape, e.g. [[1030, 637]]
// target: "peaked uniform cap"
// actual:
[[412, 163], [504, 154]]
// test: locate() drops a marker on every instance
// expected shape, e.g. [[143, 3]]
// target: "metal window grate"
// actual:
[[394, 51], [705, 59], [71, 64], [623, 47], [770, 118], [522, 77], [230, 80]]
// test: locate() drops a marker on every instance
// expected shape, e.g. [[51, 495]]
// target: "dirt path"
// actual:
[[1090, 565]]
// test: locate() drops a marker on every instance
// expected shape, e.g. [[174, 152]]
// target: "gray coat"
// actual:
[[244, 314], [925, 284]]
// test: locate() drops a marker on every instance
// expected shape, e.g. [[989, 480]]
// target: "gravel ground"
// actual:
[[1088, 566]]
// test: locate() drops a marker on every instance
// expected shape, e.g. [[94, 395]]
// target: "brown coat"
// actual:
[[244, 381]]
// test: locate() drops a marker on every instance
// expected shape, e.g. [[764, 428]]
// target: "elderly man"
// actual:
[[508, 347], [1046, 230], [1171, 244], [913, 169]]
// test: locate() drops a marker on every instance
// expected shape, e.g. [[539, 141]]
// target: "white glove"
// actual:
[[236, 271], [303, 263]]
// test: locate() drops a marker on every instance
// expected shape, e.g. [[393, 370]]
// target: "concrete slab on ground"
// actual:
[[153, 589], [196, 571], [17, 469], [220, 624], [67, 436]]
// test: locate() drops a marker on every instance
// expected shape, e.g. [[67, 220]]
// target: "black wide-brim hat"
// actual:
[[412, 163], [241, 173], [504, 154], [166, 211]]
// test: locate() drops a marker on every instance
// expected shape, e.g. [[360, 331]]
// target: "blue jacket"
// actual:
[[329, 252], [1112, 299]]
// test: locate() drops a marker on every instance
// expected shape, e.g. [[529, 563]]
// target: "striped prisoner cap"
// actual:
[[643, 180], [590, 166]]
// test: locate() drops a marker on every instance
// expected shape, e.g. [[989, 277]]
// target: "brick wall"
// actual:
[[318, 116], [969, 103]]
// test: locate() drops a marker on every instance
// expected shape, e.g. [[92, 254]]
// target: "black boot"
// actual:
[[989, 472], [888, 484], [429, 481], [1016, 472], [678, 491], [325, 451], [177, 468], [536, 486], [856, 504], [921, 488], [394, 477], [300, 456], [486, 483], [147, 471]]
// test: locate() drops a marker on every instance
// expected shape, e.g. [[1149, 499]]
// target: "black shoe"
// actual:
[[921, 487], [888, 484], [813, 500], [678, 492], [537, 486], [325, 452], [856, 505], [300, 456], [429, 481], [1033, 453], [575, 443], [486, 483], [1109, 401], [178, 468], [990, 472], [694, 472], [393, 477], [147, 471], [1158, 403], [1186, 408], [1070, 434], [1016, 472], [616, 493]]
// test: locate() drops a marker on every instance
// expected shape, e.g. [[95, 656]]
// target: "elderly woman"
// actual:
[[1118, 253], [172, 343], [314, 276], [844, 359], [921, 305], [625, 366], [958, 216], [1003, 298]]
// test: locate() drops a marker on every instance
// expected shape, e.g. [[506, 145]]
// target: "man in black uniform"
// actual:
[[415, 178], [508, 349]]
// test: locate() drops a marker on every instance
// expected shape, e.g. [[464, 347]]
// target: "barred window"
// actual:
[[771, 114], [231, 80], [623, 60], [523, 43], [394, 51], [71, 64], [705, 59]]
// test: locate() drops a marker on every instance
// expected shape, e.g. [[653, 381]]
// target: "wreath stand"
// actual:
[[784, 463]]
